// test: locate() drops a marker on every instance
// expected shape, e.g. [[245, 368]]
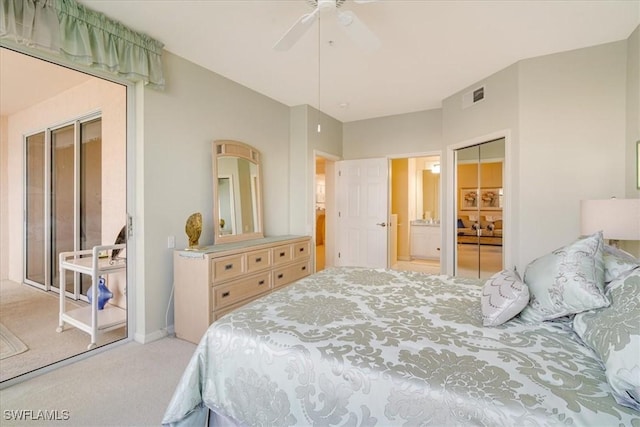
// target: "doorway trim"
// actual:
[[450, 206]]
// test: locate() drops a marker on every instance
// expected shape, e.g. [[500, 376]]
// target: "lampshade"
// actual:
[[619, 219]]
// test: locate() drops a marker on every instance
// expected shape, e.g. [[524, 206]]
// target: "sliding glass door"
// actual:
[[63, 200], [35, 210], [480, 200]]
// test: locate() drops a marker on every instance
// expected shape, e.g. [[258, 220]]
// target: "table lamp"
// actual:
[[619, 219]]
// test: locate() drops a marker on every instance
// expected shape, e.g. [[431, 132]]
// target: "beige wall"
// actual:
[[305, 140], [412, 133], [572, 141]]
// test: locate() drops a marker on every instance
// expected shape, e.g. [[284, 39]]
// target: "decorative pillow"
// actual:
[[504, 295], [466, 221], [614, 334], [566, 281], [617, 263]]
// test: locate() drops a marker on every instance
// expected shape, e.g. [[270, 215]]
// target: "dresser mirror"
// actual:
[[237, 192]]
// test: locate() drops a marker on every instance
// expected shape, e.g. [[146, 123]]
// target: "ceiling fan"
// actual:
[[348, 20]]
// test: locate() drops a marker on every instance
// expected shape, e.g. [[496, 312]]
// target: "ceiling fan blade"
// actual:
[[364, 1], [358, 32], [294, 33]]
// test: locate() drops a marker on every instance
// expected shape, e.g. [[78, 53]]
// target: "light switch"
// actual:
[[171, 242]]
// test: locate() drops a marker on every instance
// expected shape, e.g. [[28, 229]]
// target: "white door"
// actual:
[[362, 189]]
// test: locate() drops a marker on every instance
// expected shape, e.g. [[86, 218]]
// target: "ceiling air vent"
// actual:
[[473, 97]]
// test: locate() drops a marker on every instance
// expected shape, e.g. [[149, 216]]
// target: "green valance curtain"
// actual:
[[83, 36]]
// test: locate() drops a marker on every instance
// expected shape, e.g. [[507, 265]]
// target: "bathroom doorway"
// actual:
[[415, 204], [324, 210]]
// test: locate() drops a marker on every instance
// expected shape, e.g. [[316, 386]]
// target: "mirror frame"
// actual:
[[230, 148]]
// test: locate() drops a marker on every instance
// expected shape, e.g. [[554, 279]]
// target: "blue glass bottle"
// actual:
[[104, 294]]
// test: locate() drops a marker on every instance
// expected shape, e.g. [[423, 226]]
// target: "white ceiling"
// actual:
[[430, 49]]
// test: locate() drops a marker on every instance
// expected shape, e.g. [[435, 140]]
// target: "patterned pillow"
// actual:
[[617, 263], [614, 334], [504, 295], [566, 281]]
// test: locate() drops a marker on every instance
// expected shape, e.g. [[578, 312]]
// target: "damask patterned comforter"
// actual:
[[362, 347]]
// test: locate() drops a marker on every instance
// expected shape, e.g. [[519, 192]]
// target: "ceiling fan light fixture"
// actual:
[[350, 23]]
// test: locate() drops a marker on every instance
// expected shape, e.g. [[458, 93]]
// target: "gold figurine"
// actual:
[[193, 229]]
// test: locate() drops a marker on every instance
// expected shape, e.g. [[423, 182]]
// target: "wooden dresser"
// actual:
[[215, 280]]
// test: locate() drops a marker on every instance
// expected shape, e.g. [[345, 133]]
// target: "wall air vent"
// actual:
[[473, 97]]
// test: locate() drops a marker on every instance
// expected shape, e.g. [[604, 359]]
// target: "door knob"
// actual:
[[382, 224]]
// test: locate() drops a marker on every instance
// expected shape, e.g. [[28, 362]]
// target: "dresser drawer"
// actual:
[[285, 275], [258, 260], [226, 267], [240, 290], [301, 250], [281, 254]]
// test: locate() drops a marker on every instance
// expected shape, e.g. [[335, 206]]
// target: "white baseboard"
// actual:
[[153, 336]]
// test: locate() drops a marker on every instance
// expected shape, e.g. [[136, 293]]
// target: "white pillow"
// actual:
[[566, 281], [504, 295], [617, 263], [614, 334]]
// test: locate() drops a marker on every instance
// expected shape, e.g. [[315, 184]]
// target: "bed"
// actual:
[[364, 347]]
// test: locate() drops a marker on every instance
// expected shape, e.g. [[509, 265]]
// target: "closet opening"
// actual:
[[480, 200]]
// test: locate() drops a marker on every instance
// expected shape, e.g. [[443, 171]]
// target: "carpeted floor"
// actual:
[[128, 385], [32, 316], [10, 345]]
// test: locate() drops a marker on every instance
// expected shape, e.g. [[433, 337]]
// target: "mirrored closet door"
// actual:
[[480, 200]]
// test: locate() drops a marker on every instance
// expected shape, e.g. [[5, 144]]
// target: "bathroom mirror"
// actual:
[[428, 188], [237, 192]]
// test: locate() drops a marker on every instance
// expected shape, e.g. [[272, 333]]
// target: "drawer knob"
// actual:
[[280, 276], [226, 294], [304, 268], [261, 282], [301, 249], [282, 253], [259, 259], [228, 266]]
